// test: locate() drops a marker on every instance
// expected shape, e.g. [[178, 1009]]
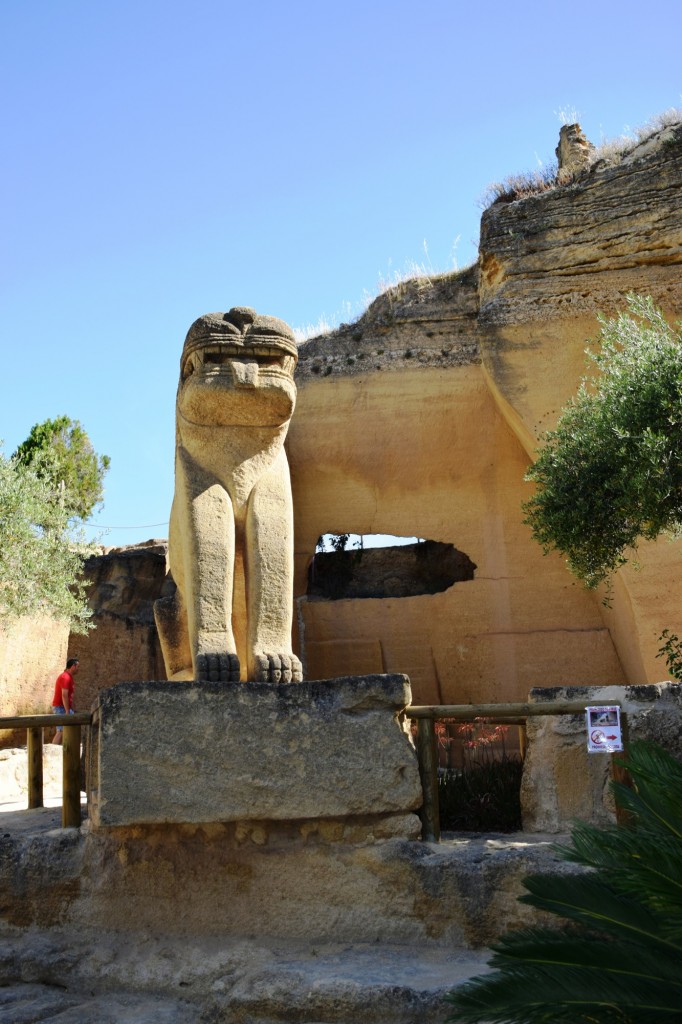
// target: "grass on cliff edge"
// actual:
[[395, 281], [609, 153]]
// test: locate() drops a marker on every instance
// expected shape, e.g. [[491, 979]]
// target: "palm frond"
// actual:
[[590, 901], [624, 855], [617, 956], [557, 996], [573, 948], [656, 799]]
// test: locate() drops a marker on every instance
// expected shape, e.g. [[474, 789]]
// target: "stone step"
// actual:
[[379, 985], [26, 1003], [113, 979]]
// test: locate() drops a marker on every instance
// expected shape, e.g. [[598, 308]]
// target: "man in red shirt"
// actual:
[[62, 701]]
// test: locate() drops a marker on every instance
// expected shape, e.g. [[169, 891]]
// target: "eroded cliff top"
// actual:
[[602, 229], [578, 248], [427, 321]]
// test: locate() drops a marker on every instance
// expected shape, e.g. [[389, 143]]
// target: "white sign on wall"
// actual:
[[603, 729]]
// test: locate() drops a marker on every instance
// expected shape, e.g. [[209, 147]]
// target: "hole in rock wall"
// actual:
[[353, 566]]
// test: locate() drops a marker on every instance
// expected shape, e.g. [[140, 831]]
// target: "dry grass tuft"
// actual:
[[611, 151], [520, 186], [608, 153]]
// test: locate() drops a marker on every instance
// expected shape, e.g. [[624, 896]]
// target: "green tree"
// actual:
[[611, 472], [60, 452], [41, 558], [616, 958]]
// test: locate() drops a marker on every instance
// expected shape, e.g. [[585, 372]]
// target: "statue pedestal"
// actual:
[[191, 753]]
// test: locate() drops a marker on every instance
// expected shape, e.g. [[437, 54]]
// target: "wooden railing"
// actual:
[[71, 759], [427, 715]]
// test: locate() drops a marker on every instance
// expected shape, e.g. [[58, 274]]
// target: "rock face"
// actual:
[[573, 152], [548, 266], [216, 752], [562, 782], [421, 419], [14, 775], [425, 451], [228, 881], [32, 654], [123, 585]]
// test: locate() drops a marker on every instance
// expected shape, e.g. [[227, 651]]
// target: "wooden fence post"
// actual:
[[71, 777], [427, 753], [34, 744], [619, 773]]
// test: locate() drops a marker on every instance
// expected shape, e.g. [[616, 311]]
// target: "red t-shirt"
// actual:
[[64, 682]]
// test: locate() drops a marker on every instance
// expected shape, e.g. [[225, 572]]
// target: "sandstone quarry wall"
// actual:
[[32, 654], [547, 269], [366, 458], [420, 420], [123, 584]]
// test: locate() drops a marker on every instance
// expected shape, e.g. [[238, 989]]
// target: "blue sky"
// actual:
[[165, 159]]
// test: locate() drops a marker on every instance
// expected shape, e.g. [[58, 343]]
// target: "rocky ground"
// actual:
[[53, 971], [14, 777], [52, 976]]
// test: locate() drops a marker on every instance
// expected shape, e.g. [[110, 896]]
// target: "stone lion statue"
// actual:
[[231, 525]]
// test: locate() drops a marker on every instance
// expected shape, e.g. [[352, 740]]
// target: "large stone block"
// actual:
[[190, 752], [561, 780]]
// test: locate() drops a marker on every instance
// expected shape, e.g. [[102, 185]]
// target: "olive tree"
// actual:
[[60, 452], [41, 557], [611, 471]]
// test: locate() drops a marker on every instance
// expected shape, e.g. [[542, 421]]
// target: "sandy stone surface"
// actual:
[[562, 782], [14, 777], [28, 1003], [173, 950], [32, 654], [123, 584]]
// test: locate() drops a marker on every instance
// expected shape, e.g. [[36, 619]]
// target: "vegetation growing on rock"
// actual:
[[40, 555], [60, 452], [611, 471]]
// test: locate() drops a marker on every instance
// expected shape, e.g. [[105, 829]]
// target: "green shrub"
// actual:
[[671, 650], [611, 471]]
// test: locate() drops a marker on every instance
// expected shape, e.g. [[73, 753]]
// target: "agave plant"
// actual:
[[617, 956]]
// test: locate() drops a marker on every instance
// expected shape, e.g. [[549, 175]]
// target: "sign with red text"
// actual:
[[603, 729]]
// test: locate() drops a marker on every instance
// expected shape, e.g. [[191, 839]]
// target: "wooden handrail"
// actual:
[[44, 721], [498, 712], [71, 752]]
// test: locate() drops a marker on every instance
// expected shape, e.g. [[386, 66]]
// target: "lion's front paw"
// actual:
[[277, 668], [217, 668]]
